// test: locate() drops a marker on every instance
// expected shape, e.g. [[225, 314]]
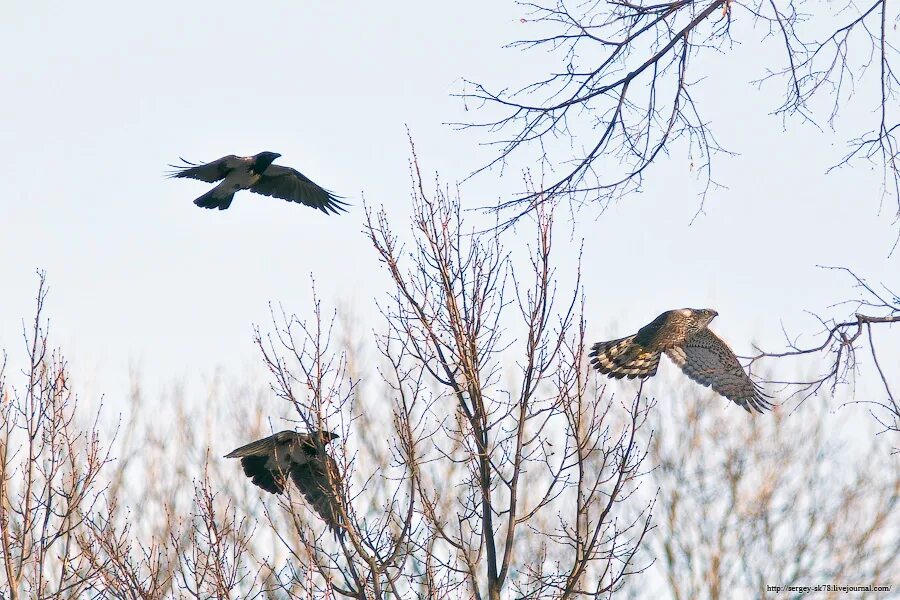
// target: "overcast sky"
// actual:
[[99, 97]]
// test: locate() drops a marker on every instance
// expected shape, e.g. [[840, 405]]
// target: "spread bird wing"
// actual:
[[292, 185], [311, 479], [709, 361], [209, 172], [261, 471], [264, 460], [265, 446], [624, 358]]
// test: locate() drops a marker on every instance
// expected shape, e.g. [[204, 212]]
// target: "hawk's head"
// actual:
[[696, 319], [704, 316]]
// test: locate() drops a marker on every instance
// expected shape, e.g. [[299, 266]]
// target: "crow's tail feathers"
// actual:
[[211, 200]]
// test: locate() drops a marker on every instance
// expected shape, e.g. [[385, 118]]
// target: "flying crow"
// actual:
[[269, 461], [257, 174]]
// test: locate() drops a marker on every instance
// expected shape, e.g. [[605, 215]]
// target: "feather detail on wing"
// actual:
[[266, 461], [258, 470], [709, 361], [290, 184], [312, 481], [264, 446], [624, 358]]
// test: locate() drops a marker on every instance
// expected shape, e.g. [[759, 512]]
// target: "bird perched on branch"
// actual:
[[300, 456], [683, 335], [259, 175]]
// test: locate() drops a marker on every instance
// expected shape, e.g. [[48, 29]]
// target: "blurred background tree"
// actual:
[[787, 500]]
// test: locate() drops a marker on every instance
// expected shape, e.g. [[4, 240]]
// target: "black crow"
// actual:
[[257, 174], [269, 461]]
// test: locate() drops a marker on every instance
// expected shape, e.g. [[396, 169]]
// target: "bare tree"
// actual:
[[49, 474], [214, 553], [365, 556], [459, 474], [842, 340], [521, 471], [623, 95]]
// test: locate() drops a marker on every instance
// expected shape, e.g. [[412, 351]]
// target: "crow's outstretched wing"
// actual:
[[265, 446], [258, 469], [261, 459], [312, 481], [209, 172], [292, 185]]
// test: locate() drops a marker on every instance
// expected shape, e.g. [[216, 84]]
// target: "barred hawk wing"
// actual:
[[638, 355], [683, 335], [708, 360], [624, 358]]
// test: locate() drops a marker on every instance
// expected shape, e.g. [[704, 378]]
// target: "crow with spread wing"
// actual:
[[300, 456], [259, 175]]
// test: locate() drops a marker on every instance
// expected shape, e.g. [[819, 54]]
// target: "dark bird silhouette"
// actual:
[[269, 462], [683, 335], [259, 175]]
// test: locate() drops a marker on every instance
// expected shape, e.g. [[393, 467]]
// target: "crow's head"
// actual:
[[311, 446], [327, 436], [263, 160]]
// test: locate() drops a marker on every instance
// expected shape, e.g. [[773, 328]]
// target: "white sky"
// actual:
[[97, 99]]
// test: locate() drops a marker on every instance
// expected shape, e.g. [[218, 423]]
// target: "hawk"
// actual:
[[259, 175], [685, 338], [269, 462]]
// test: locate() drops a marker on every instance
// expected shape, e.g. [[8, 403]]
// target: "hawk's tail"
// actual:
[[624, 358]]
